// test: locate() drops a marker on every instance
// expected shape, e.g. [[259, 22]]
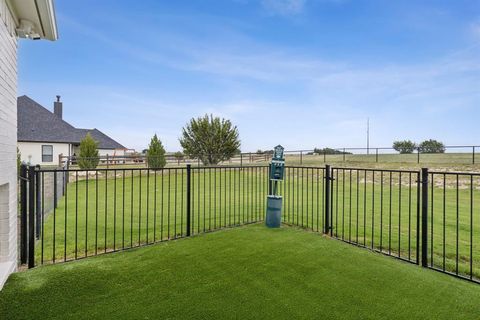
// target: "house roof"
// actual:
[[37, 124]]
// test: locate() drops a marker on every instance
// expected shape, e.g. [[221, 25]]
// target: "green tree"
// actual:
[[404, 146], [179, 155], [156, 154], [329, 151], [89, 157], [210, 139], [431, 146]]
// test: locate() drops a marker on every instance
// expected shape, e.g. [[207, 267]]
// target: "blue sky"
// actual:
[[303, 73]]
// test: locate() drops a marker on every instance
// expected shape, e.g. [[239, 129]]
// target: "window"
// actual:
[[47, 153]]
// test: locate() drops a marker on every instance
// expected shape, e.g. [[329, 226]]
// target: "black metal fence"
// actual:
[[454, 223], [427, 218], [378, 209], [106, 210]]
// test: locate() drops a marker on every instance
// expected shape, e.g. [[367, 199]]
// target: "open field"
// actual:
[[446, 161], [461, 161], [242, 273], [377, 210]]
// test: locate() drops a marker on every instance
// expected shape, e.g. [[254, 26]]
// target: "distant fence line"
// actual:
[[374, 154]]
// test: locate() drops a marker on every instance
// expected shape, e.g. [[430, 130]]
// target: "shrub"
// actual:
[[431, 146], [88, 158], [156, 154], [210, 139], [404, 146], [329, 151]]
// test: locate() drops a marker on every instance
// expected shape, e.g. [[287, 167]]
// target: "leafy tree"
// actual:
[[179, 155], [89, 157], [329, 151], [260, 151], [404, 146], [210, 139], [156, 154], [431, 146]]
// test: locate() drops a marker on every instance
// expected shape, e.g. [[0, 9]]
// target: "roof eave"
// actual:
[[41, 13]]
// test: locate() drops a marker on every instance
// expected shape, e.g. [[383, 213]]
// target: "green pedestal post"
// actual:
[[273, 218]]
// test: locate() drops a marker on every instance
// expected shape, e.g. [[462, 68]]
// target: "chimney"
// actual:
[[58, 108]]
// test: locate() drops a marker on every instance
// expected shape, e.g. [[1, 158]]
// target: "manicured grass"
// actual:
[[242, 273]]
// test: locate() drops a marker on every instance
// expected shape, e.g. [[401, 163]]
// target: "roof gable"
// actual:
[[37, 124]]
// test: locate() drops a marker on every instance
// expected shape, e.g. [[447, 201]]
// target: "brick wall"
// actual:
[[8, 143]]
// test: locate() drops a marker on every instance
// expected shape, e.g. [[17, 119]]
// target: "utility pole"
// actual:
[[368, 135]]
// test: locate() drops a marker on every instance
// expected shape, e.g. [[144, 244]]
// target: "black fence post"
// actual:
[[31, 217], [376, 155], [324, 156], [343, 154], [241, 160], [418, 155], [189, 199], [424, 216], [24, 213], [328, 178], [270, 187], [38, 204], [473, 155], [301, 157]]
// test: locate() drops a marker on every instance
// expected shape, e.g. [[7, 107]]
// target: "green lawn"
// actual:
[[242, 273], [379, 217]]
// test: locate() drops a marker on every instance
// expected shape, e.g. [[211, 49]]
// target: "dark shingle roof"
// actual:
[[37, 124], [104, 141]]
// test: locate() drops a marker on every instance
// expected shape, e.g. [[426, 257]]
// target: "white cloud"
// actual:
[[284, 7], [334, 94], [475, 29]]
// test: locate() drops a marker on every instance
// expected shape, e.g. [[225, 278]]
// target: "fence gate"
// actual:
[[377, 209]]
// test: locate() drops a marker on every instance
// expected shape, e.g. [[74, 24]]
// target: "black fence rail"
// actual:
[[427, 218]]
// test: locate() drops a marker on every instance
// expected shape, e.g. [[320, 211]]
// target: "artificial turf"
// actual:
[[247, 272], [375, 209]]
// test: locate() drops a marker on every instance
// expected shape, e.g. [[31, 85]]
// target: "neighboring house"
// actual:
[[43, 135], [32, 19]]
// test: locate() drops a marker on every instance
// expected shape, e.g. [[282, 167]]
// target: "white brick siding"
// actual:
[[8, 143]]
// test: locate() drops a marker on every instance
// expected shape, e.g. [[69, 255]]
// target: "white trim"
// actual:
[[6, 268], [40, 13]]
